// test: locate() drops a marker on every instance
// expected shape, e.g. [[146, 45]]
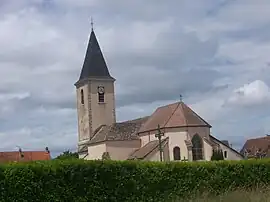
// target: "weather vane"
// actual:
[[181, 98]]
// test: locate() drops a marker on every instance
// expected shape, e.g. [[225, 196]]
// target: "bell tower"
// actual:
[[95, 93]]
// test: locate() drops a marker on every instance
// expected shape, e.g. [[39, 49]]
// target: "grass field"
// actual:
[[260, 195]]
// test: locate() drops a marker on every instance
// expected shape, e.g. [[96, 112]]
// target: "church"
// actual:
[[171, 133]]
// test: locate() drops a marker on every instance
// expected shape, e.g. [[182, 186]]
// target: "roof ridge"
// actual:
[[185, 118], [132, 120], [163, 106], [258, 138], [171, 114], [197, 115], [234, 150], [2, 152]]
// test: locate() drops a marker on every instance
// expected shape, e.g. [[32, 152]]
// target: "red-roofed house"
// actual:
[[257, 147], [24, 156]]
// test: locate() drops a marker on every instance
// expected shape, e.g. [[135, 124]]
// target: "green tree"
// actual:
[[217, 155], [66, 155]]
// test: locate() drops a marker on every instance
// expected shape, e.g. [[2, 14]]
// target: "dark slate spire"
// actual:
[[94, 65]]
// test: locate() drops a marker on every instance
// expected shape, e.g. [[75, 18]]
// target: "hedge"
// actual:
[[79, 180]]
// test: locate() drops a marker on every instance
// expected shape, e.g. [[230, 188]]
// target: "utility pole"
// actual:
[[159, 135]]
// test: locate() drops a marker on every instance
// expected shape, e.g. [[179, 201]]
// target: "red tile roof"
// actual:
[[253, 145], [173, 115], [15, 156]]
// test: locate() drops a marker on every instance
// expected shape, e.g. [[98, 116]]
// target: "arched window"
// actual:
[[101, 97], [176, 153], [82, 97], [225, 154], [197, 148]]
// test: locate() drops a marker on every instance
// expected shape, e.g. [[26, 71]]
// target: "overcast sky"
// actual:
[[213, 52]]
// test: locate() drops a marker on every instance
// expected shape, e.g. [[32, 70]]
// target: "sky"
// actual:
[[215, 53]]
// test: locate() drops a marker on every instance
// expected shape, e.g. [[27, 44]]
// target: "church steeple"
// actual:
[[94, 93], [94, 65]]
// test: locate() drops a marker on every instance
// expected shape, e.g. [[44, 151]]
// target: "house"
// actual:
[[172, 132], [257, 147], [24, 156]]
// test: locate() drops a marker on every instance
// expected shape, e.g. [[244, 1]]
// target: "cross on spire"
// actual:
[[92, 24]]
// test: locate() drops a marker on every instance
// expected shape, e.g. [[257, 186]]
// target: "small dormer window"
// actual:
[[82, 97], [101, 94]]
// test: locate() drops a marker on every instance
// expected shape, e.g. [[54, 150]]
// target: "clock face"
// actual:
[[101, 89]]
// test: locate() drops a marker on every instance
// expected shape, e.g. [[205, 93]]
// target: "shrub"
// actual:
[[217, 155], [78, 180], [67, 155]]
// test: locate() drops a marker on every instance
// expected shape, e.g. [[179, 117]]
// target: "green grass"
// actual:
[[258, 195]]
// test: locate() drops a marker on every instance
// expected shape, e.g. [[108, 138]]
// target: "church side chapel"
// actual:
[[171, 133]]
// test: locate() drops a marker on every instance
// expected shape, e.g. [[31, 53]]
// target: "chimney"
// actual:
[[47, 150], [21, 153]]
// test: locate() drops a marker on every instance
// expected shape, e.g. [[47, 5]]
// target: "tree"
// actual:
[[217, 155], [66, 155]]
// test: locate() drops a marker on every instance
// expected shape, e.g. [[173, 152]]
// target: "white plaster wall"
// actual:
[[177, 139], [155, 157], [148, 138], [176, 136], [208, 151], [95, 151], [166, 153], [231, 155], [120, 150], [145, 139]]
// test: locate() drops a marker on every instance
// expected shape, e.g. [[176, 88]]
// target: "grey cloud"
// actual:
[[171, 49], [179, 52], [259, 33], [139, 10], [167, 86], [176, 64]]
